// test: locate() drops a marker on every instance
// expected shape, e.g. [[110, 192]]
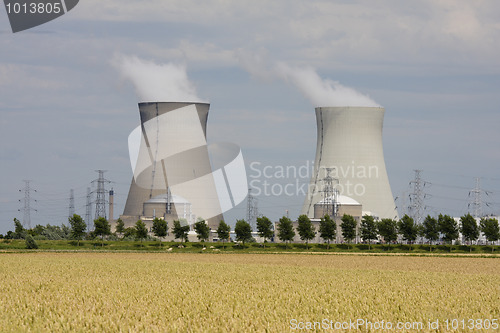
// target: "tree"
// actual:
[[19, 230], [129, 232], [469, 229], [305, 229], [38, 229], [223, 232], [243, 231], [120, 226], [327, 229], [491, 230], [31, 243], [408, 229], [285, 230], [265, 228], [101, 228], [78, 227], [54, 232], [430, 230], [202, 230], [448, 227], [388, 230], [180, 231], [141, 231], [368, 229], [348, 227], [160, 227]]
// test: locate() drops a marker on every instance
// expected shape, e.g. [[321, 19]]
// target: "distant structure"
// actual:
[[476, 201], [330, 194], [100, 202], [172, 171], [252, 210], [416, 208], [111, 205], [71, 203], [343, 205], [88, 210], [27, 204], [349, 149]]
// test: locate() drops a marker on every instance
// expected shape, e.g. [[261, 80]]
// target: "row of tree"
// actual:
[[443, 228], [389, 231]]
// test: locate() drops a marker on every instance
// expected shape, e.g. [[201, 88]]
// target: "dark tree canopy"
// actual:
[[490, 229], [160, 227], [120, 226], [19, 231], [469, 228], [408, 229], [102, 228], [285, 230], [243, 231], [348, 227], [31, 243], [448, 227], [78, 227], [265, 228], [368, 229], [327, 229], [180, 231], [202, 230], [223, 231], [430, 229], [305, 228], [388, 230], [141, 232]]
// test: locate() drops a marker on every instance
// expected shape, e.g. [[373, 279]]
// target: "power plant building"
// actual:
[[350, 161], [172, 171]]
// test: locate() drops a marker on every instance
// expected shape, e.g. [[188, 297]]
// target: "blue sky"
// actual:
[[434, 65]]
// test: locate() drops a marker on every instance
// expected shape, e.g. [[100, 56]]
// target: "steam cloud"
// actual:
[[157, 82], [321, 92]]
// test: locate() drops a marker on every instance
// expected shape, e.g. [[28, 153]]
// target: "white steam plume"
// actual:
[[322, 92], [319, 91], [157, 82]]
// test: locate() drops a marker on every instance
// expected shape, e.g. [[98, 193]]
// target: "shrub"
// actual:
[[31, 243]]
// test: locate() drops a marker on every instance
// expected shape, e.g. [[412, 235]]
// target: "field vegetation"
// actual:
[[190, 292]]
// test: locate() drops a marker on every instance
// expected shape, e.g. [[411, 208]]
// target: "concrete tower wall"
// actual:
[[350, 141], [173, 155]]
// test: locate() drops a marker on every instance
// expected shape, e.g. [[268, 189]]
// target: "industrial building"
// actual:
[[350, 160], [172, 172]]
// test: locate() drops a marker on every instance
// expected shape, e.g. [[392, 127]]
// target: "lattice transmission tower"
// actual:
[[416, 208], [88, 210], [26, 209], [100, 202], [71, 210], [476, 199], [330, 194]]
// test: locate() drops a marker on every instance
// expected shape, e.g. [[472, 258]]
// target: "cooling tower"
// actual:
[[349, 150], [169, 158]]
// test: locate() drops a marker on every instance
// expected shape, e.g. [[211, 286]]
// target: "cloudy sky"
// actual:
[[66, 110]]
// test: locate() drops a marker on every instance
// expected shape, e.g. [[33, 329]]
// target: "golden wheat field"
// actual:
[[153, 292]]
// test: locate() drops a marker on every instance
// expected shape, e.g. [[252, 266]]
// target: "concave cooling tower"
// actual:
[[350, 146], [169, 157]]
